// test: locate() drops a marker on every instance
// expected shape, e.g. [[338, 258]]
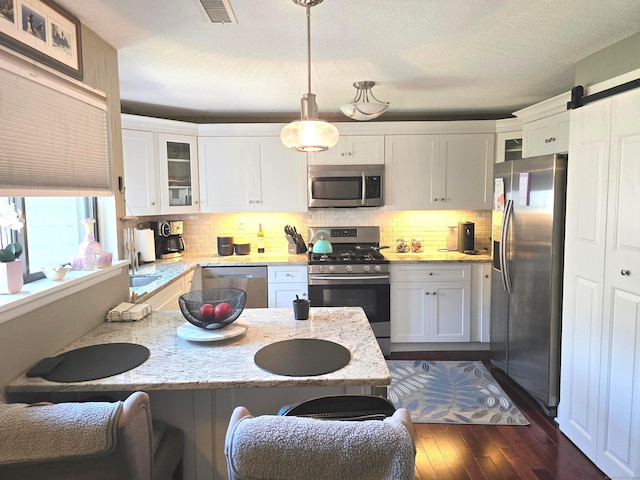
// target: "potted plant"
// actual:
[[11, 279]]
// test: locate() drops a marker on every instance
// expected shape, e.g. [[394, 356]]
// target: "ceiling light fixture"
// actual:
[[361, 107], [309, 134]]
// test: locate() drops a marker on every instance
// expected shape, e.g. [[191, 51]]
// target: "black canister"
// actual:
[[466, 237], [225, 246]]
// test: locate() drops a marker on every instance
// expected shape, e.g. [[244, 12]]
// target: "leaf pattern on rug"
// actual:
[[450, 392]]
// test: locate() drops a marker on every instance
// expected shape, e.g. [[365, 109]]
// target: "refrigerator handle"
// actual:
[[506, 222]]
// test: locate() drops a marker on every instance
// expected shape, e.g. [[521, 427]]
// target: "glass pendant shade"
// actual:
[[309, 134], [361, 107]]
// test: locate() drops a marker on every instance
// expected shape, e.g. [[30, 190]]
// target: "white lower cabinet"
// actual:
[[480, 302], [167, 298], [430, 303], [285, 283]]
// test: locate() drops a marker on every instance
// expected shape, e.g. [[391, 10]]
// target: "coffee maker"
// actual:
[[466, 237], [167, 236]]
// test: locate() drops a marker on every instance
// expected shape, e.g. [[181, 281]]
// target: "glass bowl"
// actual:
[[212, 308]]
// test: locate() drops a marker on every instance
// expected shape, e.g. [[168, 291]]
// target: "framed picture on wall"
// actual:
[[43, 31]]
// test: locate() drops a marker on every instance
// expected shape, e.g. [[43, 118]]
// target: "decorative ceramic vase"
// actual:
[[89, 246], [11, 279]]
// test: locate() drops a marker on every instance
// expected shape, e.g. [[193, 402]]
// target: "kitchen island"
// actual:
[[196, 385]]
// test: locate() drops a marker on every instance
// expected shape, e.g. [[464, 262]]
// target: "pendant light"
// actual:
[[361, 107], [309, 134]]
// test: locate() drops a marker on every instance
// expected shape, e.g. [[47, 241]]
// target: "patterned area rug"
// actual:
[[450, 392]]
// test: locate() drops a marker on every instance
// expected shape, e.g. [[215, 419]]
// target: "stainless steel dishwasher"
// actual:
[[252, 280]]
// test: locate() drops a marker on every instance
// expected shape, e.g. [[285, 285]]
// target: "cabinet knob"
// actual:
[[430, 273], [427, 293], [153, 203], [625, 273], [434, 293]]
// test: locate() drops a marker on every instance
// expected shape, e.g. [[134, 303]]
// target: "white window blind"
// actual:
[[53, 137]]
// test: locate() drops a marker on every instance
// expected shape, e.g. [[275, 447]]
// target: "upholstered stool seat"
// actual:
[[278, 447], [88, 440]]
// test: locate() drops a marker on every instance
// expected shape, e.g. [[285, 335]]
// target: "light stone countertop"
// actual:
[[169, 270], [178, 364]]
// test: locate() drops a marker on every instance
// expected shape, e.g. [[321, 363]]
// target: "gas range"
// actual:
[[354, 274], [356, 250]]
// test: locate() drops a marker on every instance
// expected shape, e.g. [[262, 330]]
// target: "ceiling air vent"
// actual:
[[219, 11]]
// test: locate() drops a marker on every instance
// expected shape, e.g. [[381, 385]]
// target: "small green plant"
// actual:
[[10, 219]]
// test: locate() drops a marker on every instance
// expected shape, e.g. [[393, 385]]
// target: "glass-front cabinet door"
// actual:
[[179, 173], [508, 146]]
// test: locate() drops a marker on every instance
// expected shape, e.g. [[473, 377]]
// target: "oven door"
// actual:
[[355, 292]]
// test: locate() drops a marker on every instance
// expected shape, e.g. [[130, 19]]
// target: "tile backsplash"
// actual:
[[202, 230]]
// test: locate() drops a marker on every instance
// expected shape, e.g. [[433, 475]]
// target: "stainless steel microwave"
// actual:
[[346, 186]]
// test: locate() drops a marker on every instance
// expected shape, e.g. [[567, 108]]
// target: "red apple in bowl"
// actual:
[[207, 312], [223, 310]]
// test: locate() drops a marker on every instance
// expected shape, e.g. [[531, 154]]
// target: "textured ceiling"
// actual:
[[429, 58]]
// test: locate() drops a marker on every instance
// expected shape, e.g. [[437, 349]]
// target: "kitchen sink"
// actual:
[[142, 280]]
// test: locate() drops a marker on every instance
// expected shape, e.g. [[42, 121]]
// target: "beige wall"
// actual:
[[619, 58], [28, 338], [100, 68]]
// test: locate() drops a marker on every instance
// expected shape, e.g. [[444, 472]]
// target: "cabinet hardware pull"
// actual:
[[550, 139], [430, 273], [625, 273]]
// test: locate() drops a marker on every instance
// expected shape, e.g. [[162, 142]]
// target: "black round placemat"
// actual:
[[97, 361], [302, 357]]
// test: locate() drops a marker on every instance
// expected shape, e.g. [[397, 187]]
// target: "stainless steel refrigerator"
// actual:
[[526, 276]]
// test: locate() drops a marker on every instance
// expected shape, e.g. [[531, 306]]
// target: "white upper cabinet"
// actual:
[[178, 172], [463, 173], [443, 172], [545, 127], [160, 166], [352, 150], [251, 174], [408, 171], [547, 135], [140, 178], [508, 140]]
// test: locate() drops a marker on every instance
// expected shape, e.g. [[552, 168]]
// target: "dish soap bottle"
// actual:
[[260, 239]]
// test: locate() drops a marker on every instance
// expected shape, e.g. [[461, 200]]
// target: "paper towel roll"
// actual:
[[145, 245]]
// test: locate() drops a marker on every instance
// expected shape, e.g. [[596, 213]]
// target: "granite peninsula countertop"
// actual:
[[178, 364]]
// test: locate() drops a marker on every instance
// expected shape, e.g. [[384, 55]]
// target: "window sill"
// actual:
[[42, 292]]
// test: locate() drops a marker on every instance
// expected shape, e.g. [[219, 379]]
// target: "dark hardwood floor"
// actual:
[[538, 451]]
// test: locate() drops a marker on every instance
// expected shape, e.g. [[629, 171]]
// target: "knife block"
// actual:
[[296, 244]]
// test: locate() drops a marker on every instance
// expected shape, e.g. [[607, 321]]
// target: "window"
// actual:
[[52, 230]]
